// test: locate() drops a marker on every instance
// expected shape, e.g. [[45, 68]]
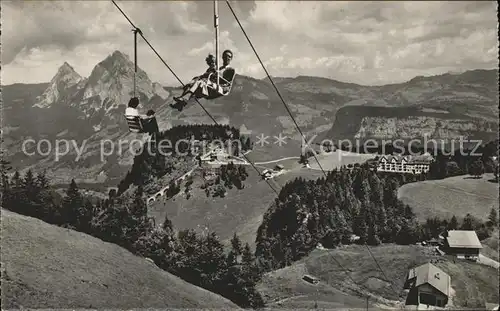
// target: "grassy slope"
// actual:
[[240, 211], [332, 160], [490, 246], [44, 266], [457, 195], [395, 260], [471, 281], [285, 288]]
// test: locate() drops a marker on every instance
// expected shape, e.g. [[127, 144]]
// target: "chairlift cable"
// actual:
[[272, 82], [180, 81], [135, 30], [289, 112], [216, 26]]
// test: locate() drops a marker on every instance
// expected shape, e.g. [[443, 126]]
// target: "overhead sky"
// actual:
[[369, 43]]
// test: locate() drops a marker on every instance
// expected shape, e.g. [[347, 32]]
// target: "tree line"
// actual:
[[348, 206], [435, 226], [123, 220]]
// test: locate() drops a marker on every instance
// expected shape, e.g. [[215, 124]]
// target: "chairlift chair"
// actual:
[[134, 124], [229, 78]]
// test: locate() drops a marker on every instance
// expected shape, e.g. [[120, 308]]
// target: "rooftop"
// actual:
[[410, 159], [463, 239], [432, 275]]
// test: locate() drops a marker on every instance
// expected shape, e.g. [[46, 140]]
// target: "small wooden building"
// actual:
[[428, 285], [463, 244]]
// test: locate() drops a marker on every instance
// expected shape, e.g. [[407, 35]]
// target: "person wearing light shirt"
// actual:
[[148, 120]]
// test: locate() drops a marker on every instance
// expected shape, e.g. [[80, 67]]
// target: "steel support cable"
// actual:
[[180, 81], [289, 112], [274, 85]]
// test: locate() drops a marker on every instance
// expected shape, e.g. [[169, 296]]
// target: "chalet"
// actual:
[[463, 244], [405, 164], [428, 285]]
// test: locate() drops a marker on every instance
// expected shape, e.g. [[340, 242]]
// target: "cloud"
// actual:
[[351, 41], [208, 47]]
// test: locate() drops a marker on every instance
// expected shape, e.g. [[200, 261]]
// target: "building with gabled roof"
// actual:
[[463, 244], [428, 285], [409, 164]]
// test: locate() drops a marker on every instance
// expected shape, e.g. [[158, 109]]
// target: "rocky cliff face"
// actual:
[[378, 123], [111, 84], [102, 97], [63, 84], [420, 126]]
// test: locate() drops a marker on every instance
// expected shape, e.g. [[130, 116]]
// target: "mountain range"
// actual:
[[90, 110]]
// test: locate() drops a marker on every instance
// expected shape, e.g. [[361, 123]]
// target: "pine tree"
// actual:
[[382, 224], [72, 206], [453, 225], [4, 179], [4, 169], [407, 234], [137, 223], [362, 229], [493, 218], [376, 187], [31, 194], [212, 261], [17, 197], [373, 238], [476, 169], [468, 223], [250, 266], [42, 181], [84, 221], [235, 252], [160, 245]]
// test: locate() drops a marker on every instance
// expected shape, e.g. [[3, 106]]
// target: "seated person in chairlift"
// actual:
[[211, 69], [193, 83], [200, 87], [148, 121]]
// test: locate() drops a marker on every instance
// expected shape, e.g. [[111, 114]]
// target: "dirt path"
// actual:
[[488, 261], [278, 160]]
